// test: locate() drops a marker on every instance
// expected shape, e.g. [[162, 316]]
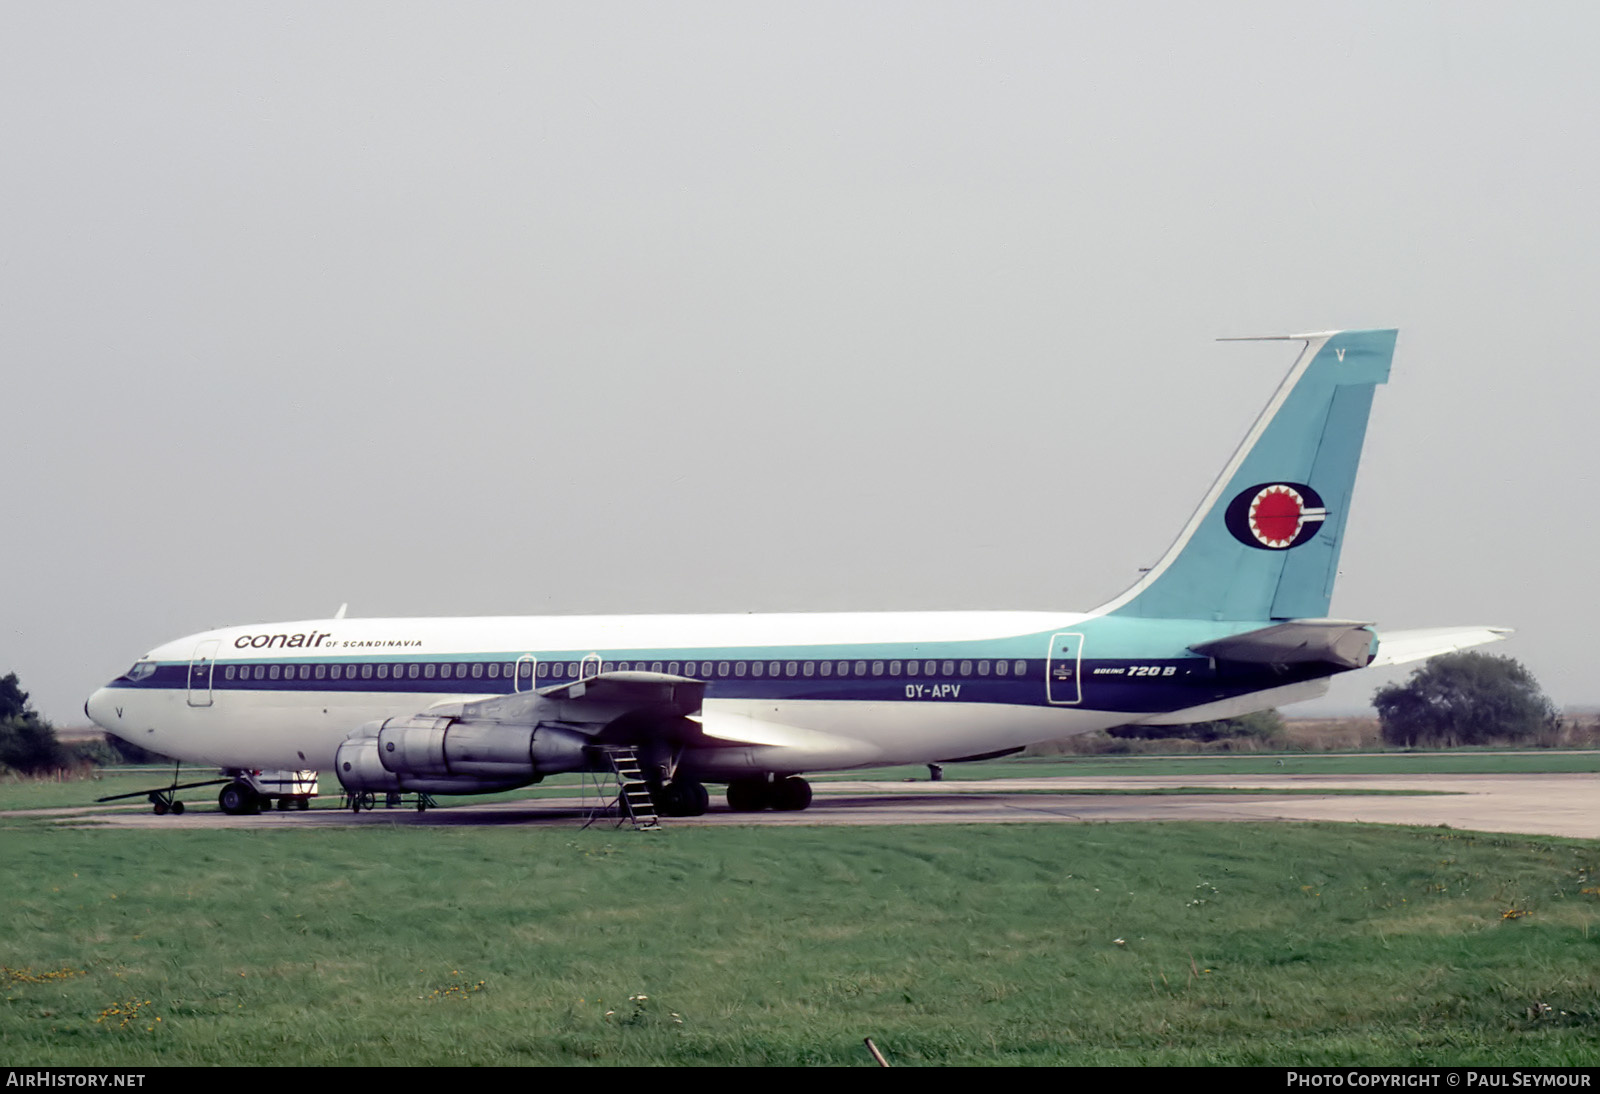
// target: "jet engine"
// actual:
[[446, 755]]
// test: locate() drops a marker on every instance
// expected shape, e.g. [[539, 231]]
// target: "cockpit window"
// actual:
[[141, 670]]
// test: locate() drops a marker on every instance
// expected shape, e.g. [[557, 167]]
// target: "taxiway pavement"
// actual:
[[1553, 804]]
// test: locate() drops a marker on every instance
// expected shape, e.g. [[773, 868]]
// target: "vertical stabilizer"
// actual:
[[1264, 543]]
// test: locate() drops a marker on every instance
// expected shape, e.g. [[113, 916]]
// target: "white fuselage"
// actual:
[[842, 690]]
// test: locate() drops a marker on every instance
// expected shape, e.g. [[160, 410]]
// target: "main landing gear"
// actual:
[[755, 794], [682, 798]]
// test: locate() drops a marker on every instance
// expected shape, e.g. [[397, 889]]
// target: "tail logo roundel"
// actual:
[[1275, 516]]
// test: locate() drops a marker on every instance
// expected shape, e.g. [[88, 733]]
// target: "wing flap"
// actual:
[[785, 747]]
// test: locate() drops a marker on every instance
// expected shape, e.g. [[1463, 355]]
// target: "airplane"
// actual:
[[1232, 619]]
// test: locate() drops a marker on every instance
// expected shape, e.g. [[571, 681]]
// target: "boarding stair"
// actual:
[[633, 802]]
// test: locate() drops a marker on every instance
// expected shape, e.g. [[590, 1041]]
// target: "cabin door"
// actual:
[[1063, 668], [201, 666]]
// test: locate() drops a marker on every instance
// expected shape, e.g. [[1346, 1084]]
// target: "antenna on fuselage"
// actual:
[[340, 613]]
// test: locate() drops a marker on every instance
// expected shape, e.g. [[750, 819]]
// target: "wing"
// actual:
[[507, 741], [595, 701], [1401, 647]]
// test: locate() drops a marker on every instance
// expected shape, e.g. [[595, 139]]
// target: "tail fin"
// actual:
[[1264, 543]]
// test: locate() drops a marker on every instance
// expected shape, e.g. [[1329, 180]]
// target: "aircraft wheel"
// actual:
[[302, 803], [685, 798], [283, 805], [669, 800], [177, 809], [791, 794], [237, 800], [747, 795], [160, 808]]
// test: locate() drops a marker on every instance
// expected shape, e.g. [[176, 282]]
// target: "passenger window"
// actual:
[[494, 670], [966, 668], [877, 668], [739, 668], [228, 675], [844, 668], [827, 668], [272, 673], [412, 672], [861, 668], [705, 669], [322, 672], [1020, 668], [793, 668], [894, 668], [1001, 668], [544, 669], [722, 669], [930, 668], [949, 668], [383, 672], [757, 668], [366, 672], [913, 667], [809, 668], [477, 670], [983, 668]]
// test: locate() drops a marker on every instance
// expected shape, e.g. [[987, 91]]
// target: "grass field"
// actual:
[[1105, 944]]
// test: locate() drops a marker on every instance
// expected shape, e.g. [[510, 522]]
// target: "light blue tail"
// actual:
[[1264, 543]]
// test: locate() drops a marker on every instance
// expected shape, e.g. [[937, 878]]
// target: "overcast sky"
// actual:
[[574, 308]]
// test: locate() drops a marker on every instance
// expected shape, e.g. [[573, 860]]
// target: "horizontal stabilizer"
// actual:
[[1334, 642], [1401, 647]]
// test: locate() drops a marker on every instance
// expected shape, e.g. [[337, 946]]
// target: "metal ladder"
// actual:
[[633, 798]]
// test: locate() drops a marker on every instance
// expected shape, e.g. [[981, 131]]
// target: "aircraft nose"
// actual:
[[101, 710]]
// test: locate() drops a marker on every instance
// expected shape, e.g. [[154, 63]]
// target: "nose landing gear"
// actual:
[[238, 800]]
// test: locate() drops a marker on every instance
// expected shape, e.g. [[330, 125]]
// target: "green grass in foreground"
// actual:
[[1116, 944]]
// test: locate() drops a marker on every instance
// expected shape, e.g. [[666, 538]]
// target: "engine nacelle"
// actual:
[[454, 756]]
